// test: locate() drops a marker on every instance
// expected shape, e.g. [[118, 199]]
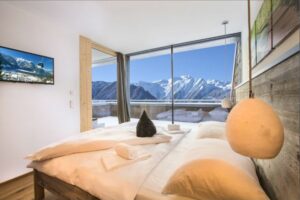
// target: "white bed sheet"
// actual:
[[86, 171]]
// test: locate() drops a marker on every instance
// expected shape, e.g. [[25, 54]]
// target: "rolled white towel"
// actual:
[[124, 154], [111, 160], [127, 151]]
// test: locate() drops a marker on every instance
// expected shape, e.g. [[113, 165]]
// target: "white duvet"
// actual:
[[95, 142], [77, 163], [144, 179]]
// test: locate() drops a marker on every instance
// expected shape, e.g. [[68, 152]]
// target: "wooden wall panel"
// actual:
[[85, 84], [280, 87], [104, 49]]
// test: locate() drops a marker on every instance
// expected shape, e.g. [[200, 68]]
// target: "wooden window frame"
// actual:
[[86, 46]]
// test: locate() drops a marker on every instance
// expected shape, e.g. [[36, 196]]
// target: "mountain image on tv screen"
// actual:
[[19, 66]]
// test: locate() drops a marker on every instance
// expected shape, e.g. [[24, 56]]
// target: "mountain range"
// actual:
[[10, 63], [108, 90], [185, 87]]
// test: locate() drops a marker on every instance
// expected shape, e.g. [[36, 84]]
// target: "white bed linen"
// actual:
[[99, 140], [86, 171], [192, 148], [112, 160]]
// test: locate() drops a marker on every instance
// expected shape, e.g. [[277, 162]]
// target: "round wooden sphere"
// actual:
[[253, 129]]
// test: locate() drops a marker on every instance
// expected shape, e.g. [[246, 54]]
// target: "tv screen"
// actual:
[[20, 66]]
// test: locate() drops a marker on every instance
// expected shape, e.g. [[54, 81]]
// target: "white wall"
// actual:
[[245, 56], [255, 7], [33, 115]]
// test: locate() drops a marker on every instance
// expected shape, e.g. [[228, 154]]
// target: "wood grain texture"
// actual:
[[280, 87], [18, 188], [60, 188], [39, 192], [22, 188], [104, 49], [85, 84], [86, 110]]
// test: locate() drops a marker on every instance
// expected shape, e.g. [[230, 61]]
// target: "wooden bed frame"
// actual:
[[58, 187], [68, 191]]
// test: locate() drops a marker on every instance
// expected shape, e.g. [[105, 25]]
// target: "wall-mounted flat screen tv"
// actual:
[[21, 66]]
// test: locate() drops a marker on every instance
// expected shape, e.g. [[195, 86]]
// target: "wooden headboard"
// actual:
[[280, 87]]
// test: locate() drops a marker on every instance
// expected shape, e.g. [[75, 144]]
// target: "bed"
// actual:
[[82, 176]]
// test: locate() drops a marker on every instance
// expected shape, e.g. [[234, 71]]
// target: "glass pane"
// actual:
[[104, 89], [202, 79], [150, 85]]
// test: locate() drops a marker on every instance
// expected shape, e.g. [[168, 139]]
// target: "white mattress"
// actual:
[[143, 180]]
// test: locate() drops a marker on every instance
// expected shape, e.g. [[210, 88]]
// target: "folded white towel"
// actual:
[[112, 161], [127, 151], [156, 139], [180, 131]]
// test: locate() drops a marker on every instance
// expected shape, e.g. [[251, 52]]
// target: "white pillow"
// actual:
[[212, 129], [210, 179]]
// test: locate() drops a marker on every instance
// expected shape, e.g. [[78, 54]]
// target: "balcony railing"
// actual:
[[187, 102], [157, 109]]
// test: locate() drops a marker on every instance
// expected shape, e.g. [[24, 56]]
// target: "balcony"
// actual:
[[184, 110]]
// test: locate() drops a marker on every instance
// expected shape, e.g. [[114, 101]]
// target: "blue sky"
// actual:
[[48, 63], [208, 63]]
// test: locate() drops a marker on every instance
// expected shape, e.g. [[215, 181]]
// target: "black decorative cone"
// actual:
[[145, 127]]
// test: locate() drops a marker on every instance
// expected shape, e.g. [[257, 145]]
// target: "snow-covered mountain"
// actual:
[[187, 87], [157, 89], [26, 64], [102, 90]]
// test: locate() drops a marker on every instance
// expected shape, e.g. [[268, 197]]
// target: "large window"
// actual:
[[202, 79], [150, 81], [202, 75], [104, 89], [183, 83]]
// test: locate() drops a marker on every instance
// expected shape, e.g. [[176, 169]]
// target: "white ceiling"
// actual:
[[130, 26]]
